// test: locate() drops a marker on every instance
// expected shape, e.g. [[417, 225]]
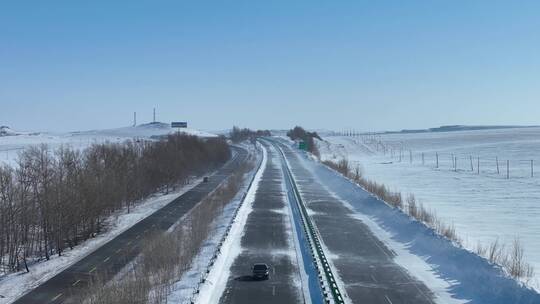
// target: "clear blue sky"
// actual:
[[369, 65]]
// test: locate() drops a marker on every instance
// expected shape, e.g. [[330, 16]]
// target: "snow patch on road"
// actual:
[[211, 291], [417, 266], [182, 291], [295, 242], [455, 274]]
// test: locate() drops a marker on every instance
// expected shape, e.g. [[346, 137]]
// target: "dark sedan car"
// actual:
[[260, 271]]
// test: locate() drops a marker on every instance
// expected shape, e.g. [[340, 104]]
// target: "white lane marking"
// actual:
[[373, 278], [92, 270], [388, 299], [75, 283], [56, 298], [273, 290], [106, 259]]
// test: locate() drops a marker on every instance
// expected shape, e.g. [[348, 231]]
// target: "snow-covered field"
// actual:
[[483, 206], [14, 142]]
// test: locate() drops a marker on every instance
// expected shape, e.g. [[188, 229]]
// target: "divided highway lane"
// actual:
[[114, 255], [364, 263], [267, 239]]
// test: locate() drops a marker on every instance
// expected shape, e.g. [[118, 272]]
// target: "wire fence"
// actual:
[[457, 162]]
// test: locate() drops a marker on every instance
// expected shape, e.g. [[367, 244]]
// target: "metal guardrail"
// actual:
[[217, 250], [321, 262]]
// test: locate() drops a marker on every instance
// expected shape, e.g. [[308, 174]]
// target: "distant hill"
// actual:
[[144, 130], [454, 128], [6, 131]]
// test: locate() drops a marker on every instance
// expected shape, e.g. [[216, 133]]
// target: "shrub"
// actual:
[[238, 135], [298, 133]]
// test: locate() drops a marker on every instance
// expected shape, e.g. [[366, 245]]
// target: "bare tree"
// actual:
[[56, 199]]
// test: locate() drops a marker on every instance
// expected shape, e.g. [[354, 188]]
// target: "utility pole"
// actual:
[[154, 115], [134, 119]]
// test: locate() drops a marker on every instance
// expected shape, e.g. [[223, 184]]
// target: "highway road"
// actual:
[[268, 239], [365, 264], [113, 256]]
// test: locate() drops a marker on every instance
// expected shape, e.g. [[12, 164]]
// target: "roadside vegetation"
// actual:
[[166, 257], [299, 134], [55, 200], [238, 135], [510, 258]]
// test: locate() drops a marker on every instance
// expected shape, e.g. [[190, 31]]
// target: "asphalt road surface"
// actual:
[[364, 263], [114, 255], [267, 239]]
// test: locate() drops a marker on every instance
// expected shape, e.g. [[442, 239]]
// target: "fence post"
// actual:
[[507, 169], [478, 165], [532, 168], [437, 158], [497, 160], [470, 157], [422, 158], [455, 164], [410, 156]]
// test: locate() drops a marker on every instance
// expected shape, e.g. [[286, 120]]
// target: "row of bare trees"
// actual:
[[55, 200], [166, 257], [298, 133], [237, 135]]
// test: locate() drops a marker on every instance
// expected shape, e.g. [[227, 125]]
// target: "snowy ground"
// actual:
[[454, 274], [14, 285], [483, 207], [11, 145]]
